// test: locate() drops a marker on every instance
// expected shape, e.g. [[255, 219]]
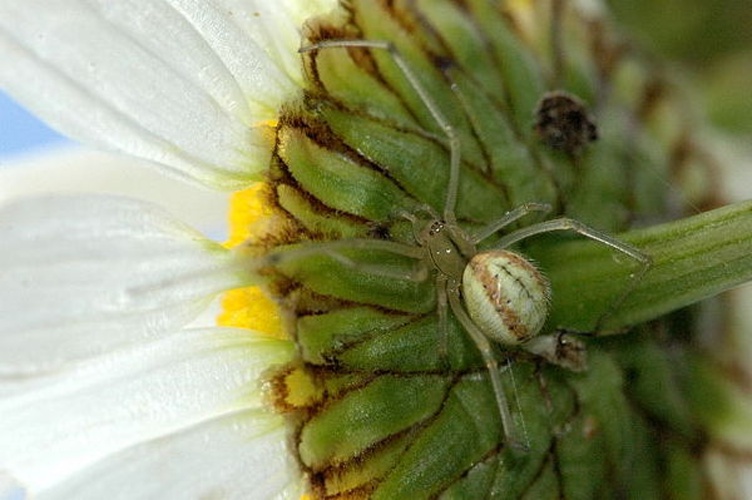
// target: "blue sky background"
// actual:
[[21, 132]]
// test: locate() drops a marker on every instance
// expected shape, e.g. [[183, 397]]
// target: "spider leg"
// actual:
[[509, 218], [441, 308], [511, 433], [567, 224], [334, 250], [433, 108]]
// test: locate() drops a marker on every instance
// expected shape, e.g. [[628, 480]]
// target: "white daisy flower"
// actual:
[[103, 391], [426, 110]]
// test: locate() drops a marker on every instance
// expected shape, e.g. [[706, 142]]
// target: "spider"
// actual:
[[497, 295]]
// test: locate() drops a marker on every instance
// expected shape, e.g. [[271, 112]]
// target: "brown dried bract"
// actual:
[[563, 123]]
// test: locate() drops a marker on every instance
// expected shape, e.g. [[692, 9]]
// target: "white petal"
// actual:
[[83, 275], [178, 82], [73, 169], [276, 26], [10, 489], [240, 456], [56, 425]]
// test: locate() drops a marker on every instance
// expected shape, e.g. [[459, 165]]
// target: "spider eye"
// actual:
[[506, 296]]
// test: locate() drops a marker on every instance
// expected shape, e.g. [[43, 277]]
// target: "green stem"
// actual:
[[693, 259]]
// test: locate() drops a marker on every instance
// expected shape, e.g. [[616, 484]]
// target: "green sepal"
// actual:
[[510, 160], [345, 184], [521, 72], [324, 274], [371, 340], [377, 24], [419, 157], [362, 418], [323, 336], [456, 439], [306, 213]]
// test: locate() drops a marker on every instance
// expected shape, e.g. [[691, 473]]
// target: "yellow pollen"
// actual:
[[248, 208], [250, 307], [271, 123], [302, 391]]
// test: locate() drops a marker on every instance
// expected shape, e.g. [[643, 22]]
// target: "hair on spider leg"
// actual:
[[497, 296]]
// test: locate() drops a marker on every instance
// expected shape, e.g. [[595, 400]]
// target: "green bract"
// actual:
[[394, 409]]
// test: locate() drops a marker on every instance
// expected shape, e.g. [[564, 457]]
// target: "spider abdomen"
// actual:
[[506, 296]]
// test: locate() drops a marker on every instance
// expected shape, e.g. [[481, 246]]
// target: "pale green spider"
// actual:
[[496, 295]]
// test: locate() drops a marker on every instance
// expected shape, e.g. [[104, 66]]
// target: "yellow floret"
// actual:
[[247, 208], [249, 307]]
